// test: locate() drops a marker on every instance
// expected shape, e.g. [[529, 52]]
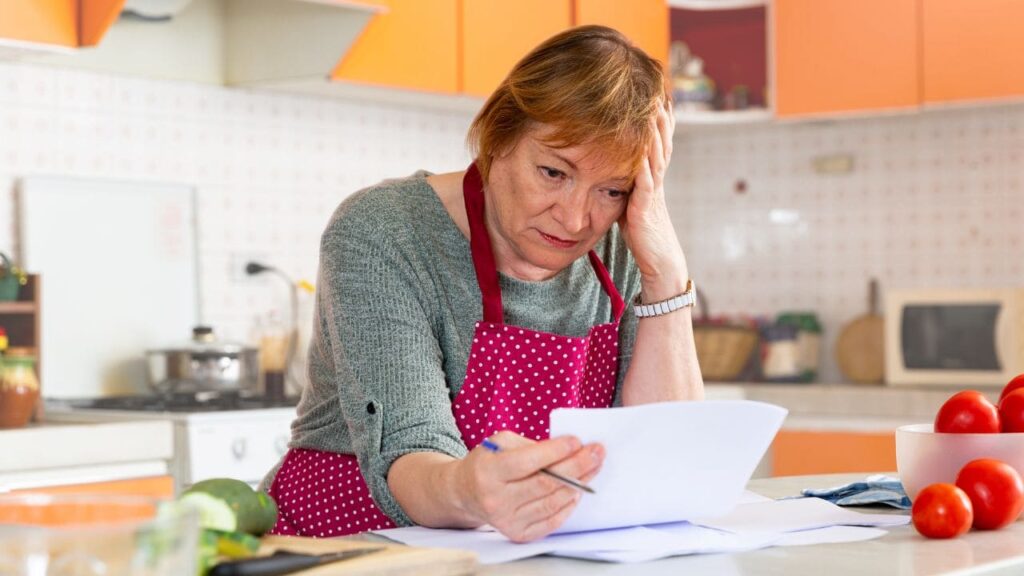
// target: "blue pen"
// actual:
[[574, 483]]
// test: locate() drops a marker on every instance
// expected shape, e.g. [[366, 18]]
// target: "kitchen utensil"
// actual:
[[283, 562], [96, 534], [204, 364], [392, 559], [860, 347], [925, 457], [723, 350]]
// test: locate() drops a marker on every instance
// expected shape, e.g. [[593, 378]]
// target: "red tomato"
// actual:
[[1011, 411], [996, 492], [967, 412], [942, 511], [1014, 384]]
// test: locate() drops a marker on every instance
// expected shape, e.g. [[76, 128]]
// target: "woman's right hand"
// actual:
[[504, 489]]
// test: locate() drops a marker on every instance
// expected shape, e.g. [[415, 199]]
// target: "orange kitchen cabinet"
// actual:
[[796, 452], [971, 50], [645, 22], [413, 44], [154, 487], [42, 21], [95, 17], [497, 33], [842, 56]]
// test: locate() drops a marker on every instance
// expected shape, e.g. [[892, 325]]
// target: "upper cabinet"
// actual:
[[497, 33], [837, 56], [413, 44], [971, 50], [40, 21], [834, 56], [95, 17], [645, 22], [57, 24]]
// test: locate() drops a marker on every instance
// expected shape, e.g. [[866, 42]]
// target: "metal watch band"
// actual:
[[687, 298]]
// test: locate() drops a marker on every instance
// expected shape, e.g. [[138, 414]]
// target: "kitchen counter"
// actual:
[[849, 406], [54, 454], [901, 552]]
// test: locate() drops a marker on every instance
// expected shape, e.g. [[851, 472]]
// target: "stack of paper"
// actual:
[[672, 483], [748, 527], [670, 461]]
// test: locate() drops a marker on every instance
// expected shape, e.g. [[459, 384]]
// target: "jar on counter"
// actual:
[[779, 353], [808, 342], [19, 387]]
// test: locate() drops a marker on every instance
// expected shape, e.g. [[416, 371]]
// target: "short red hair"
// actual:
[[590, 83]]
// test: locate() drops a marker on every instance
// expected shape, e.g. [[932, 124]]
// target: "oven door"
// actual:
[[955, 338]]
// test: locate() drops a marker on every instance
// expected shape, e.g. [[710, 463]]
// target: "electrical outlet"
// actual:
[[237, 262], [833, 164]]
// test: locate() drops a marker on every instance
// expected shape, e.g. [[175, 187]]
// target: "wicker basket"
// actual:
[[722, 350]]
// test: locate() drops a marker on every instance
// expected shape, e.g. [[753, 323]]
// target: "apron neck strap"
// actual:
[[480, 246], [483, 255]]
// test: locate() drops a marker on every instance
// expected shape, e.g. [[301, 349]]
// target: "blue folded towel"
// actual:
[[877, 489]]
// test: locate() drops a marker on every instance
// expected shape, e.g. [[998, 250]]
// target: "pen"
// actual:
[[574, 483]]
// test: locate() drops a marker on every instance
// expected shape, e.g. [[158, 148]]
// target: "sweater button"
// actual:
[[371, 409]]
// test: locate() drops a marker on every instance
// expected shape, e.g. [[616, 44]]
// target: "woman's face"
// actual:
[[548, 206]]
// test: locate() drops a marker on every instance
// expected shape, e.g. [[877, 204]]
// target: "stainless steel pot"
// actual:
[[204, 365]]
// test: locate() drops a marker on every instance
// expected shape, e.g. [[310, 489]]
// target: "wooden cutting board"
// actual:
[[394, 560], [860, 347]]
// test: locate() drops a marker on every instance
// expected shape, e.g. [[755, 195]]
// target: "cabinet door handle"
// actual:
[[238, 448]]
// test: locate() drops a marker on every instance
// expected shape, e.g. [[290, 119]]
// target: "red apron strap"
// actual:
[[480, 246], [618, 306], [483, 255]]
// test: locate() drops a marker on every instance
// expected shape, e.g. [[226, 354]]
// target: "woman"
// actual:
[[409, 373]]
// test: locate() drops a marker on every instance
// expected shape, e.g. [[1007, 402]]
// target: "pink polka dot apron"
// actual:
[[515, 377]]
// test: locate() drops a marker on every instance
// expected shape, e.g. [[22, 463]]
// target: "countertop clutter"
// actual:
[[900, 552]]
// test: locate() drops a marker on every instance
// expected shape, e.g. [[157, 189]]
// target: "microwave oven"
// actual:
[[959, 337]]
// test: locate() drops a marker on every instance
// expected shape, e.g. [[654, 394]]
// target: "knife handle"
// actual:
[[275, 565]]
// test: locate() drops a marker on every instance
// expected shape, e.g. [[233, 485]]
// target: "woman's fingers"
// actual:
[[525, 460], [656, 151], [668, 128], [543, 516], [582, 466]]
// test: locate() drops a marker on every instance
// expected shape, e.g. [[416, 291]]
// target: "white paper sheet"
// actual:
[[780, 516], [830, 535], [670, 461], [636, 544]]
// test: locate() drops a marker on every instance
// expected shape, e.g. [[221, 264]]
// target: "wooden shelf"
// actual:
[[17, 307], [20, 319], [723, 117]]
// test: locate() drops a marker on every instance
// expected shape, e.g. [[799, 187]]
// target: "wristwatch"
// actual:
[[687, 298]]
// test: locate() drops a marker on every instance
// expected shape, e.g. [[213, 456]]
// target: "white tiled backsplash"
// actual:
[[932, 200]]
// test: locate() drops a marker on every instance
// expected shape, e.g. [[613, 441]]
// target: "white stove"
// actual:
[[214, 435]]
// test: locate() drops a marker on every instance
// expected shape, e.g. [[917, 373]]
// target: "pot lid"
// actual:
[[204, 342]]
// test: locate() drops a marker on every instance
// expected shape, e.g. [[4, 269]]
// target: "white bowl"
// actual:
[[925, 457]]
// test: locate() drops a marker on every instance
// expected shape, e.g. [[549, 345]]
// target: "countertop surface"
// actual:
[[849, 407], [901, 552], [53, 454]]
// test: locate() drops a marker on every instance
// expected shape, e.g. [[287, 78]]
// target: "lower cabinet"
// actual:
[[797, 452]]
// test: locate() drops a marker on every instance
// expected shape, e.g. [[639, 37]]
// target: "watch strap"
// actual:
[[686, 299]]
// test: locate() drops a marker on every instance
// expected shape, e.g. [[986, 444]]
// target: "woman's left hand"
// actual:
[[646, 225]]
